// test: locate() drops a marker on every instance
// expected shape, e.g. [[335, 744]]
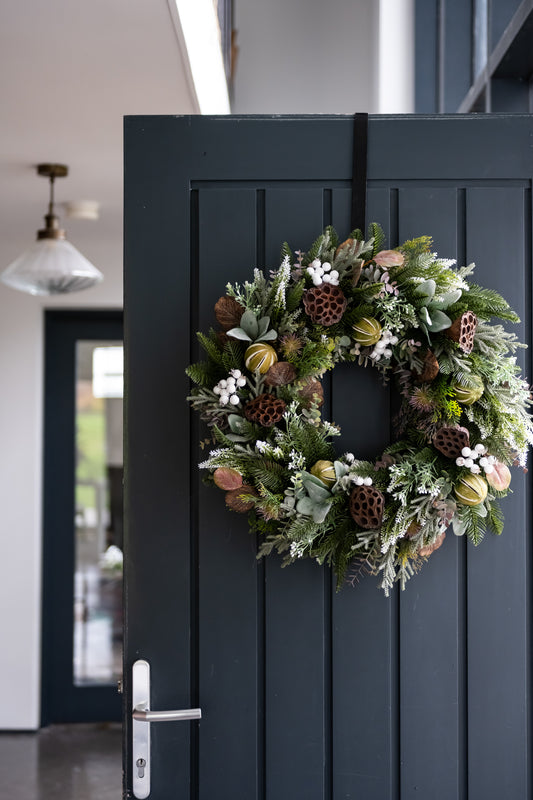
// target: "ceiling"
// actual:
[[70, 71]]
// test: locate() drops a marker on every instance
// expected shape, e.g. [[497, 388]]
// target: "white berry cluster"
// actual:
[[322, 273], [227, 388], [469, 457], [359, 481], [381, 348]]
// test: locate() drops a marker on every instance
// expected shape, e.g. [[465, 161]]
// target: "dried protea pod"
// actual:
[[260, 356], [235, 499], [227, 478], [430, 368], [228, 312], [499, 477], [462, 331], [428, 549], [280, 374], [265, 410], [325, 304], [366, 506], [450, 440], [471, 490], [311, 392]]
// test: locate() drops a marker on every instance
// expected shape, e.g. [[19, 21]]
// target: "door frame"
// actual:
[[61, 700]]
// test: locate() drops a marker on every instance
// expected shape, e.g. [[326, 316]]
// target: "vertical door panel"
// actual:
[[225, 620], [497, 626]]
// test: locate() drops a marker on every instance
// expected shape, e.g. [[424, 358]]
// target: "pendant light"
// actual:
[[52, 265]]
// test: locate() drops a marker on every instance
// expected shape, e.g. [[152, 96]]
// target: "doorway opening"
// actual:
[[83, 518]]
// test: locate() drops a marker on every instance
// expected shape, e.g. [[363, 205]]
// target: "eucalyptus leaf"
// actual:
[[234, 437], [424, 316], [444, 301], [426, 289], [249, 324], [269, 336], [320, 512], [237, 423], [263, 324], [439, 321], [239, 333], [317, 493], [305, 506]]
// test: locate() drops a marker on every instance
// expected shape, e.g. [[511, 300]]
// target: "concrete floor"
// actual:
[[71, 762]]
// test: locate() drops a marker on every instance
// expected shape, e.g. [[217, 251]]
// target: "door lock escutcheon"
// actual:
[[143, 716]]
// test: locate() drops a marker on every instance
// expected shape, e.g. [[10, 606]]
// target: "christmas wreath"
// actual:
[[463, 417]]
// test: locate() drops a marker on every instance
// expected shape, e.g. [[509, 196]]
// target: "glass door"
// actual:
[[83, 518]]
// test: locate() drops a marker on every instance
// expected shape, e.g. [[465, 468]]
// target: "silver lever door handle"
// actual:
[[142, 714]]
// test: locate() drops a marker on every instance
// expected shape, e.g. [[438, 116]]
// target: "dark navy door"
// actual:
[[307, 694]]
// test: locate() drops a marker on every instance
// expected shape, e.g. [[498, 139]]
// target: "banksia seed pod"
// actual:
[[260, 356], [467, 395], [265, 410], [428, 549], [463, 330], [450, 441], [325, 472], [430, 368], [325, 304], [312, 392], [235, 499], [228, 312], [367, 331], [280, 374], [471, 490], [227, 478], [366, 507]]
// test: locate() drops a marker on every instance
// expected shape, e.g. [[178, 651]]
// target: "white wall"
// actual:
[[316, 57], [21, 436]]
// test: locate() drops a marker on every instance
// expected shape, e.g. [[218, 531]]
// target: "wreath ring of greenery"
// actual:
[[464, 415]]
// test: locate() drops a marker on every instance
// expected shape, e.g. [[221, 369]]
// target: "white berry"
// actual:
[[387, 352], [466, 451], [483, 462], [488, 469], [480, 448], [223, 399], [460, 461], [359, 481], [241, 382], [475, 469], [468, 462], [367, 481], [326, 266], [234, 400]]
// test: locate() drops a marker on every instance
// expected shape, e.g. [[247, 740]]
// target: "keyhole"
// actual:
[[140, 764]]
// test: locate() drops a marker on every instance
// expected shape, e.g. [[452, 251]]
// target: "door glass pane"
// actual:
[[98, 513]]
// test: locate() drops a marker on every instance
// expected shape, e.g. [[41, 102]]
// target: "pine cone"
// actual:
[[234, 499], [430, 368], [280, 374], [366, 507], [325, 304], [312, 392], [462, 331], [450, 441], [228, 312], [265, 410]]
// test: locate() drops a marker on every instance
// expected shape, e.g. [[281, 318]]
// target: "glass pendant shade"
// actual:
[[51, 266]]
